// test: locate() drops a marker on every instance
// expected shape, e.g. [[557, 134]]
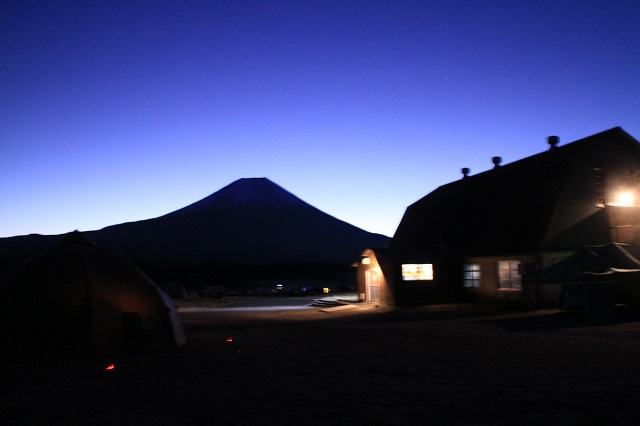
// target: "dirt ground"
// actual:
[[441, 365]]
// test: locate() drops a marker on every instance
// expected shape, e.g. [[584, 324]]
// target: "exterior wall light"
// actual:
[[625, 199]]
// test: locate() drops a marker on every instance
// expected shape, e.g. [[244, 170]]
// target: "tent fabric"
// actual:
[[592, 262], [589, 298], [593, 278], [79, 298], [609, 259]]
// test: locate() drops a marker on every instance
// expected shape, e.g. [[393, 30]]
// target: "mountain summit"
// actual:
[[245, 193]]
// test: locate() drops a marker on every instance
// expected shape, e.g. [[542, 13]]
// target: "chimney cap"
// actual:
[[465, 172], [496, 161], [553, 142]]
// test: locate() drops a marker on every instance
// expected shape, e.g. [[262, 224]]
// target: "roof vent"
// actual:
[[553, 142], [496, 162], [465, 172]]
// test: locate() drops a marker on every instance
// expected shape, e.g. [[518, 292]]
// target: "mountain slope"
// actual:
[[250, 221]]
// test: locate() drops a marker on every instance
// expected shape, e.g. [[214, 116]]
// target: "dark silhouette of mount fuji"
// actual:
[[250, 222]]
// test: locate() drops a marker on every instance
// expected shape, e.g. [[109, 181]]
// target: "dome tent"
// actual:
[[76, 298]]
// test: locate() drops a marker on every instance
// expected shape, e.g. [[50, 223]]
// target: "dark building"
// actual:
[[485, 234]]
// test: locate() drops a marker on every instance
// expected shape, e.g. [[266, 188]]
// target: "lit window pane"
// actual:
[[471, 275], [508, 275], [417, 272]]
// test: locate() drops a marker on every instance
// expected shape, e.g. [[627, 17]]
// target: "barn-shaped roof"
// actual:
[[546, 201]]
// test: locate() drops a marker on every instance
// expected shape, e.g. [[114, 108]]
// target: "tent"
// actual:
[[594, 278], [78, 298], [593, 263]]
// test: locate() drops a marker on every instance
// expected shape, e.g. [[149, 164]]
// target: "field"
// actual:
[[441, 364]]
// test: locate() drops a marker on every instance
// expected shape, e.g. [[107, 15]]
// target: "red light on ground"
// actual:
[[229, 339], [110, 367]]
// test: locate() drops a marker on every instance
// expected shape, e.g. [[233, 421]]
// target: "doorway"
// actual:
[[372, 285]]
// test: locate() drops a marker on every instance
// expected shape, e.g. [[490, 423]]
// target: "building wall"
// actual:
[[596, 181], [548, 259], [546, 294], [446, 285], [624, 223], [489, 288]]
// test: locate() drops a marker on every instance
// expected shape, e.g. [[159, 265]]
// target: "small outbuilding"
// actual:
[[77, 298]]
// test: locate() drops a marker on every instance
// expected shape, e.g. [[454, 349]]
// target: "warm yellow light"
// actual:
[[625, 199], [417, 272]]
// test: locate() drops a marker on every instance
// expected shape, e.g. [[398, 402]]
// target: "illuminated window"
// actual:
[[508, 275], [417, 272], [471, 275]]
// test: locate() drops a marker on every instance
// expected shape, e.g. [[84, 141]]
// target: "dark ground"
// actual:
[[444, 364]]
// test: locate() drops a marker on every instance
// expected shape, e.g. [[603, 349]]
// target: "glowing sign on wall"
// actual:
[[417, 272]]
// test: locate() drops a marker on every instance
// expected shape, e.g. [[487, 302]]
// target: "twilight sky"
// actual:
[[115, 111]]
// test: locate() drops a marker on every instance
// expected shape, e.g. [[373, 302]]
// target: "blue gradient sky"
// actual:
[[115, 111]]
